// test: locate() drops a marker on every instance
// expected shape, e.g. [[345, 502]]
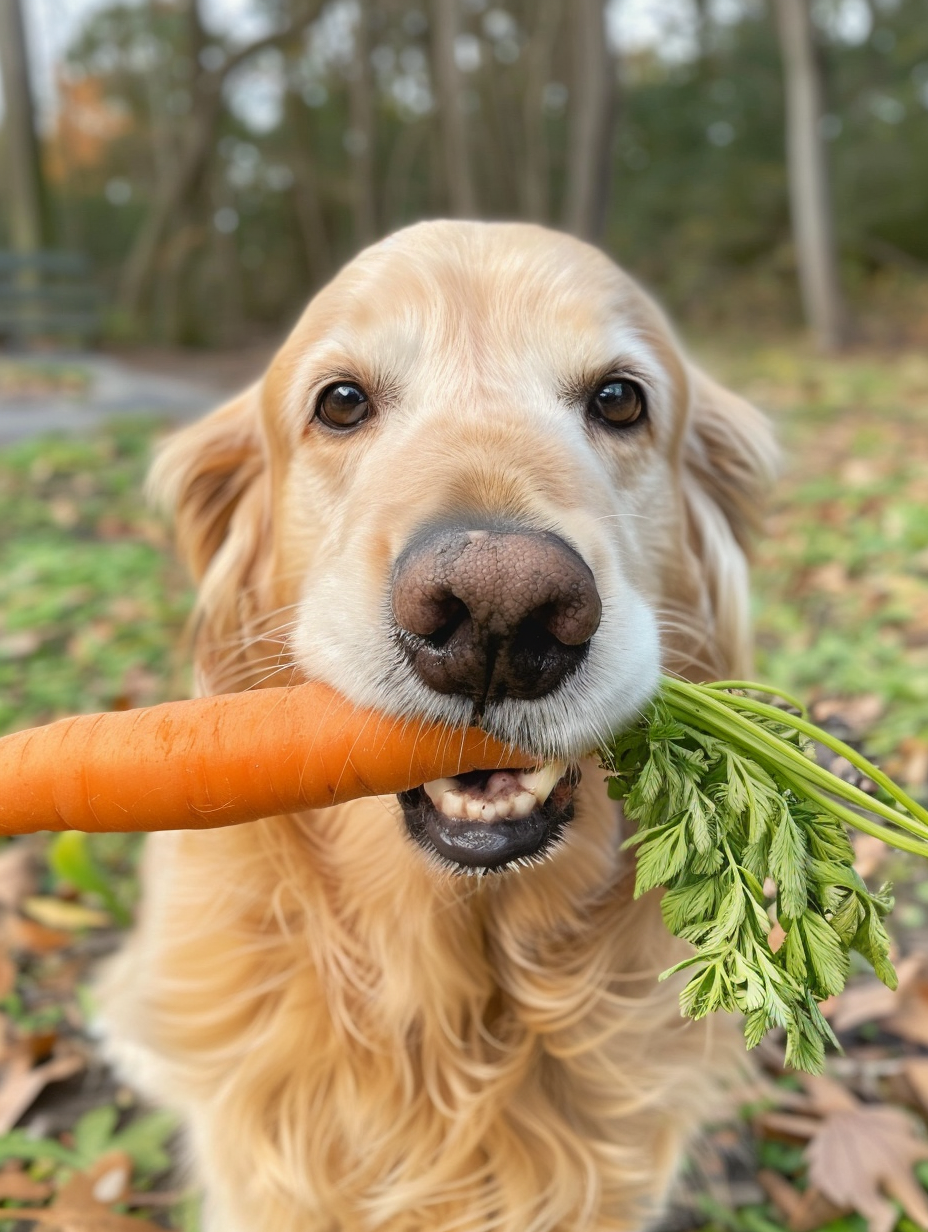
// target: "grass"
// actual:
[[841, 577], [92, 604]]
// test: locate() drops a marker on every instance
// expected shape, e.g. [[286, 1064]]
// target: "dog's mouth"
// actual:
[[488, 820]]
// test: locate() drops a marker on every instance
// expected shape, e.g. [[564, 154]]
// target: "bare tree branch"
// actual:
[[206, 107]]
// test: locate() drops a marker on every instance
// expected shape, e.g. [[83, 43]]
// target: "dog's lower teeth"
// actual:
[[505, 794]]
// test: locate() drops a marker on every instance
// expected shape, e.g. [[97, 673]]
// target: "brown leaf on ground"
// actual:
[[111, 1177], [869, 854], [857, 1154], [17, 874], [803, 1211], [860, 1154], [814, 1211], [786, 1125], [76, 1209], [23, 934], [7, 974], [909, 1020], [827, 1095], [914, 755], [784, 1196], [859, 713], [915, 1070], [17, 1186], [872, 1002], [21, 1082]]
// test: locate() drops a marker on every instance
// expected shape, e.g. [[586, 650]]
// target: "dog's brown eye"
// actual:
[[619, 403], [343, 406]]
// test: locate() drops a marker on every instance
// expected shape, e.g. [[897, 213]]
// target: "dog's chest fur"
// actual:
[[423, 1051]]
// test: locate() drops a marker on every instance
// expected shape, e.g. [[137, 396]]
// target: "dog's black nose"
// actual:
[[489, 614]]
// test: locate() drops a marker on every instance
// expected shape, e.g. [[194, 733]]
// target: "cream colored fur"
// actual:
[[356, 1040]]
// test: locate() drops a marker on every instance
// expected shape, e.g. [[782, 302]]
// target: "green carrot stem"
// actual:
[[724, 685], [838, 746], [691, 703]]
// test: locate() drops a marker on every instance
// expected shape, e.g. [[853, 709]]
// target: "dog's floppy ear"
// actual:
[[729, 462], [201, 473], [213, 478]]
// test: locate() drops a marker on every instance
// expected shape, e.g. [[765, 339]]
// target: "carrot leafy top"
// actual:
[[729, 799]]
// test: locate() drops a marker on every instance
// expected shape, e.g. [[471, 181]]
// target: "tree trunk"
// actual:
[[307, 197], [592, 97], [535, 188], [362, 132], [173, 193], [810, 202], [22, 163], [459, 184], [191, 165]]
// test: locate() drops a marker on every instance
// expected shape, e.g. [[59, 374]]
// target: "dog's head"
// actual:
[[480, 483]]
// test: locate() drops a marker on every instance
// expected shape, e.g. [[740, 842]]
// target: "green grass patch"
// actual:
[[92, 602]]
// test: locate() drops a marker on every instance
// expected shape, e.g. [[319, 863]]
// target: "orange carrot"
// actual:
[[218, 761]]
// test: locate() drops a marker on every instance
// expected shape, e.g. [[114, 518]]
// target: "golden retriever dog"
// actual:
[[479, 483]]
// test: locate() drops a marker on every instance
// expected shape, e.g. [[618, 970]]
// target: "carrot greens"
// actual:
[[730, 803]]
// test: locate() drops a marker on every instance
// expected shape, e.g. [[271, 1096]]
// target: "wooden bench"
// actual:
[[48, 295]]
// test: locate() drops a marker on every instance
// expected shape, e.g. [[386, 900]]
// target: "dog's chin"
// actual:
[[489, 821]]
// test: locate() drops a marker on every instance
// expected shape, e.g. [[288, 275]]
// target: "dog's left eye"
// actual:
[[343, 405], [619, 403]]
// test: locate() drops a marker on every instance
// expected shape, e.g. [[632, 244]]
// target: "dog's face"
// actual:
[[481, 485]]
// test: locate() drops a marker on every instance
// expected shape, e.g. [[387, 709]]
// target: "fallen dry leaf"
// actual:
[[19, 645], [803, 1211], [814, 1211], [827, 1095], [17, 874], [17, 1186], [914, 768], [859, 1155], [57, 914], [22, 1082], [76, 1209], [23, 934], [909, 1020], [7, 974], [871, 1001], [869, 854], [111, 1177], [859, 713], [785, 1197], [787, 1125], [915, 1070]]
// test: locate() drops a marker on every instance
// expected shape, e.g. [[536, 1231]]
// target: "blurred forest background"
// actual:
[[178, 178], [218, 161]]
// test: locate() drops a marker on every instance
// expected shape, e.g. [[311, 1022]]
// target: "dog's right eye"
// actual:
[[343, 406]]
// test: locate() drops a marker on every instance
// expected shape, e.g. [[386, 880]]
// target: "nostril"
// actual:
[[575, 617], [538, 659], [425, 607], [453, 614]]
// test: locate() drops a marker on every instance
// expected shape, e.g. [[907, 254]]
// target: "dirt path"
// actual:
[[65, 393]]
